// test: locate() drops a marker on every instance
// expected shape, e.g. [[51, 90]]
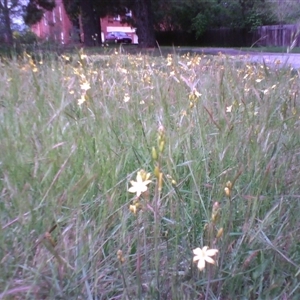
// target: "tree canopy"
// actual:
[[34, 10], [199, 15], [194, 16], [31, 11], [90, 12]]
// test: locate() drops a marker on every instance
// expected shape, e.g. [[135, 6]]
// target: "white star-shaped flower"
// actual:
[[140, 185], [85, 86], [204, 255], [229, 109]]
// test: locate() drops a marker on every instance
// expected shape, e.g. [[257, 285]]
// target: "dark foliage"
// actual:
[[35, 9]]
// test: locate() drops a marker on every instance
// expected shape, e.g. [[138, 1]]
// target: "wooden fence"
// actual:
[[278, 35], [227, 37], [273, 35]]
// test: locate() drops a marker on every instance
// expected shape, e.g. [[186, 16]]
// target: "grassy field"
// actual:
[[114, 168]]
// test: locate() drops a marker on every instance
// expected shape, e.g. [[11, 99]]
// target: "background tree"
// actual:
[[199, 15], [187, 15], [286, 12], [5, 19], [35, 9], [90, 23], [208, 15], [174, 15], [247, 14], [283, 11], [90, 12], [143, 16], [11, 10]]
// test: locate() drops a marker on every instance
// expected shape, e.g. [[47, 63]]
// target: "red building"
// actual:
[[56, 26]]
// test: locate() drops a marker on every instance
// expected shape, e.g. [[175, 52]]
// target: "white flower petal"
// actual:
[[197, 251], [211, 252], [132, 189], [143, 188], [201, 264], [204, 249], [209, 260]]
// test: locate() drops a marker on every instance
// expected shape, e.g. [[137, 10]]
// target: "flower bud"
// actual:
[[227, 191], [120, 256], [161, 146], [133, 208], [144, 175], [161, 130], [160, 181], [220, 233], [215, 212], [50, 239], [154, 154], [229, 184], [156, 172]]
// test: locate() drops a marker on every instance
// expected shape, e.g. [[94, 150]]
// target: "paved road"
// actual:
[[287, 59]]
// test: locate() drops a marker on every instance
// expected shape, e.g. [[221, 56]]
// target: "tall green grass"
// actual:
[[65, 170]]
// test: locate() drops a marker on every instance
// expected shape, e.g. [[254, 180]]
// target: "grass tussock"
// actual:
[[115, 168]]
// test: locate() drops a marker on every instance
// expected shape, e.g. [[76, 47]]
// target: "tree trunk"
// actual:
[[7, 23], [88, 23], [98, 40], [144, 23]]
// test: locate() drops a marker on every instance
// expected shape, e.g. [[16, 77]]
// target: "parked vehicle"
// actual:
[[118, 37]]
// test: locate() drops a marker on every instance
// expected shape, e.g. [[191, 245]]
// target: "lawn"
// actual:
[[270, 49], [117, 169]]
